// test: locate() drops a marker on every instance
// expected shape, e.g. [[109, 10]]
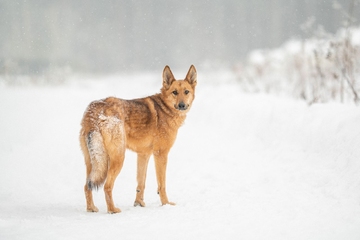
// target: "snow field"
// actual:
[[243, 166]]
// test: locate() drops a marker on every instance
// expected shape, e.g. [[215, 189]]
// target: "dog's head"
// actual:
[[179, 94]]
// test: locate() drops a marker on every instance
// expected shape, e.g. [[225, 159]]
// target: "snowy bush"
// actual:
[[320, 69]]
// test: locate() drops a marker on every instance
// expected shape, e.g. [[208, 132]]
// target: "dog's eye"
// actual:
[[186, 92], [175, 92]]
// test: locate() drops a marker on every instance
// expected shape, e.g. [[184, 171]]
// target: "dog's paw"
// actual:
[[139, 203], [114, 210], [169, 203], [92, 209]]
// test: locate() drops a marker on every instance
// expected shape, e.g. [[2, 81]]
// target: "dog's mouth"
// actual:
[[181, 106]]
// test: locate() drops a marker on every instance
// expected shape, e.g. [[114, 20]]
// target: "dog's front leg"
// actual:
[[142, 164], [160, 166]]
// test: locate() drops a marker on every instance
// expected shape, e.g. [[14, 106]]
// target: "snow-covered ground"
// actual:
[[244, 166]]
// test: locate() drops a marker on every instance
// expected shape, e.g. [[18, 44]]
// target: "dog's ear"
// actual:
[[168, 77], [191, 76]]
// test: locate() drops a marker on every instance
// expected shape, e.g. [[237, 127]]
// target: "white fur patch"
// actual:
[[96, 147], [113, 125]]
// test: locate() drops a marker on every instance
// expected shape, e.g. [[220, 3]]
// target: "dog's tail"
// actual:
[[98, 160]]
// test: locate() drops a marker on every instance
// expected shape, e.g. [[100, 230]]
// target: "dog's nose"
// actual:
[[182, 106]]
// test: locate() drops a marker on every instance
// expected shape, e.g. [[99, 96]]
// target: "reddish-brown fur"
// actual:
[[147, 126]]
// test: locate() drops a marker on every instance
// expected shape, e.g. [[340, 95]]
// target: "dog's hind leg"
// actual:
[[90, 207], [114, 138], [116, 163], [142, 164]]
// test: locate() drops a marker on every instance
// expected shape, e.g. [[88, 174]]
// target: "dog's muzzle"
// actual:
[[181, 106]]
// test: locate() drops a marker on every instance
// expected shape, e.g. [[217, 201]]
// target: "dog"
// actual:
[[147, 126]]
